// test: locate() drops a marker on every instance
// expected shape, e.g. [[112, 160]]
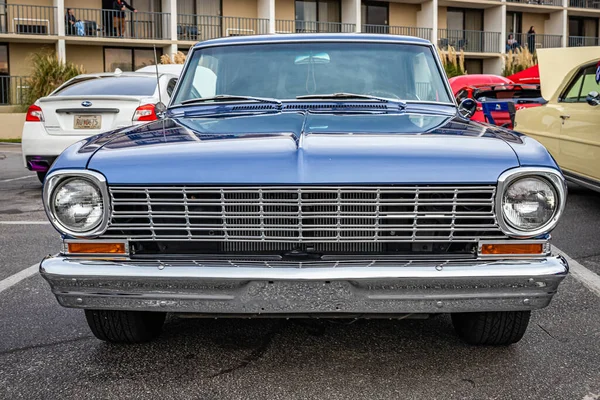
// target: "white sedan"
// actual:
[[87, 105]]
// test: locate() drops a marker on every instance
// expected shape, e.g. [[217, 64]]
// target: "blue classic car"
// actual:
[[323, 175]]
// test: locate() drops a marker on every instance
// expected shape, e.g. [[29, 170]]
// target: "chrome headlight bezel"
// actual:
[[54, 181], [552, 177]]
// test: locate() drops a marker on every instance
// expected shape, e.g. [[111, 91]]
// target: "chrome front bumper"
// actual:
[[345, 287]]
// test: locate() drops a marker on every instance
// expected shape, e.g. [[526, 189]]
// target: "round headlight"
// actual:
[[77, 204], [529, 203]]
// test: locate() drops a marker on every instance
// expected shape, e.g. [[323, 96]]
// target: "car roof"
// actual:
[[123, 74], [315, 37]]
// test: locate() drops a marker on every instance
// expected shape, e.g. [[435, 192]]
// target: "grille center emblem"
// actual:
[[86, 103]]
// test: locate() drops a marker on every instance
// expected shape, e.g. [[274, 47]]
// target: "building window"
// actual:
[[474, 66], [199, 7], [316, 15], [375, 16], [127, 59], [583, 31], [460, 19]]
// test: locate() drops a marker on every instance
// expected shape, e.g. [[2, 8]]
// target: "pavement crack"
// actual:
[[255, 355], [42, 346], [547, 333]]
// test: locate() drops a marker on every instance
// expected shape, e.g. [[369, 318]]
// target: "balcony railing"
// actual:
[[13, 90], [579, 41], [533, 42], [584, 4], [27, 20], [290, 26], [557, 3], [424, 33], [202, 27], [469, 41], [109, 24]]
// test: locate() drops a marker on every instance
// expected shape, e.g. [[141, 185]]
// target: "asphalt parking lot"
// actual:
[[47, 352]]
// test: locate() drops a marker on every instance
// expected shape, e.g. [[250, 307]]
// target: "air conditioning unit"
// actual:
[[239, 32]]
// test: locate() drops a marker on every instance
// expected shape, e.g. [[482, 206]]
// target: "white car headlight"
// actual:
[[77, 202], [530, 201]]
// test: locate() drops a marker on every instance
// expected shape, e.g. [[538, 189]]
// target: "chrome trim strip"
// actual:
[[55, 178], [582, 181], [553, 176]]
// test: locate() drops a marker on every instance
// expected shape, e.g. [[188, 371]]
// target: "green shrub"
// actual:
[[48, 74], [518, 60]]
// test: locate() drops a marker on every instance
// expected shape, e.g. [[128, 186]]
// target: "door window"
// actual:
[[171, 86], [584, 83]]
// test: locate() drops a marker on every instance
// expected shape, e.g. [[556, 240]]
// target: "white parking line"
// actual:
[[18, 179], [589, 279], [18, 277], [24, 222]]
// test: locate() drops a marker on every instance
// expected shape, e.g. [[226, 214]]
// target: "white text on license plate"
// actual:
[[88, 121]]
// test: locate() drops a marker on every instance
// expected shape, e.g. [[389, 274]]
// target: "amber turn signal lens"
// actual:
[[512, 248], [97, 248]]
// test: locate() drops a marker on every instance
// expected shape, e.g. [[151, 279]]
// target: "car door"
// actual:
[[579, 135]]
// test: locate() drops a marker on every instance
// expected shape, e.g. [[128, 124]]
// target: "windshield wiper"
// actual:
[[343, 95], [225, 97]]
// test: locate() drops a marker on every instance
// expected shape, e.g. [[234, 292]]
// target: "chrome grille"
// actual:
[[270, 215]]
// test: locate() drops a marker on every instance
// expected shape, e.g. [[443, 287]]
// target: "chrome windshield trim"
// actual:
[[553, 176], [55, 178]]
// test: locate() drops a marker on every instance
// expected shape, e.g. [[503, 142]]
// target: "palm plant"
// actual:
[[48, 74], [517, 60], [453, 62]]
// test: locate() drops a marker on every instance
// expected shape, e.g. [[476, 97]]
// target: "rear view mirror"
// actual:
[[319, 58], [160, 109], [593, 99], [467, 108]]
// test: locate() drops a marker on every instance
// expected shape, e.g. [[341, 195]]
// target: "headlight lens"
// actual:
[[529, 203], [77, 204]]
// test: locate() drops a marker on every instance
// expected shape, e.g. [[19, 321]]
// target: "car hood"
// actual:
[[305, 148]]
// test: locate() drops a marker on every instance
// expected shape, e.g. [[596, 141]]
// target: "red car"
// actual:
[[498, 98]]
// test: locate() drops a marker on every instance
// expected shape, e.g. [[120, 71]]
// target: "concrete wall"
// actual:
[[537, 20], [19, 57], [12, 125], [285, 9], [553, 25], [90, 57], [95, 4], [442, 17], [351, 10], [492, 65], [32, 2], [240, 8], [404, 14]]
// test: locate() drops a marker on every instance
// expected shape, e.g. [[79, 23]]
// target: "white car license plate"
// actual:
[[88, 121]]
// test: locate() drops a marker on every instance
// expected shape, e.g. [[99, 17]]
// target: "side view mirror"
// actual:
[[467, 108], [593, 99], [160, 110]]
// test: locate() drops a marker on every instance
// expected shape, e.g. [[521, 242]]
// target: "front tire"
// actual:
[[491, 328], [125, 326]]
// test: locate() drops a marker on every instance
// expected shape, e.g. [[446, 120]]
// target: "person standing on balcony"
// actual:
[[119, 16], [531, 39]]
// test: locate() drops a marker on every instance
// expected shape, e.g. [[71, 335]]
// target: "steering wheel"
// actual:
[[390, 95]]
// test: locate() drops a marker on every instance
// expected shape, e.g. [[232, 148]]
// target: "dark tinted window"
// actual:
[[112, 86], [171, 86], [508, 94]]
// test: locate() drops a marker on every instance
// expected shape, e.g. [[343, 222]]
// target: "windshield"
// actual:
[[111, 86], [288, 70]]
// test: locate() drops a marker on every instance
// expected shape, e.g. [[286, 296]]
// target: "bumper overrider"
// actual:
[[293, 288]]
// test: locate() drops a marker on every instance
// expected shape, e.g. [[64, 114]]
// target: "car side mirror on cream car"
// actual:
[[593, 98]]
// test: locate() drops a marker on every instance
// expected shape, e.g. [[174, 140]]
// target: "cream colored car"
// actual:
[[569, 124]]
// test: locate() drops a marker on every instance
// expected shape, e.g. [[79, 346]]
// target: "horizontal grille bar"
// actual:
[[304, 214]]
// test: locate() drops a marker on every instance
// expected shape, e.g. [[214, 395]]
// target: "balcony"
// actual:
[[593, 4], [203, 27], [12, 90], [106, 24], [290, 26], [579, 41], [469, 41], [424, 33], [27, 20], [539, 41], [556, 3]]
